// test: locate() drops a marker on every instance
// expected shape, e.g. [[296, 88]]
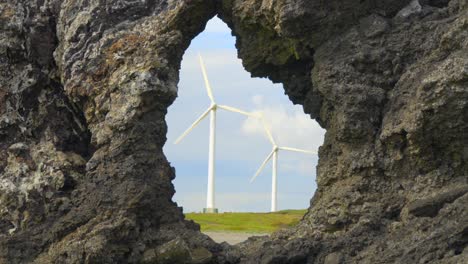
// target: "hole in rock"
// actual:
[[241, 143]]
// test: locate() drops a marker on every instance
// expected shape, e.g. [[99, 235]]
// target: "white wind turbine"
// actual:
[[274, 154], [210, 197]]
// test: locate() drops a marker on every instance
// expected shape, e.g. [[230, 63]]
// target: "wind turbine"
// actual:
[[274, 154], [210, 197]]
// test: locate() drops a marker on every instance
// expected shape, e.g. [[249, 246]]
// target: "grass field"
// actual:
[[247, 222]]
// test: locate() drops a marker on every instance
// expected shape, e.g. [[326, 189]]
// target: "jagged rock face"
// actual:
[[85, 86], [389, 83], [85, 89]]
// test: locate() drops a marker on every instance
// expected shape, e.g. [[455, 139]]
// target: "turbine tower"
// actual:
[[274, 154], [210, 197]]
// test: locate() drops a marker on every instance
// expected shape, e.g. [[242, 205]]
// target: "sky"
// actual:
[[241, 143]]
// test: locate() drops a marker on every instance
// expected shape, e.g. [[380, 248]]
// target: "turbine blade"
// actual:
[[262, 166], [205, 77], [193, 125], [298, 150], [235, 110], [267, 130]]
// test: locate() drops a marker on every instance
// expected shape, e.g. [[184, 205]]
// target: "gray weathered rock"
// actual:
[[85, 86]]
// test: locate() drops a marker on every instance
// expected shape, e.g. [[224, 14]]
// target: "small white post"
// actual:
[[274, 183]]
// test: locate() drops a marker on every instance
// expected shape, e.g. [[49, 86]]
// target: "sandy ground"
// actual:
[[231, 237]]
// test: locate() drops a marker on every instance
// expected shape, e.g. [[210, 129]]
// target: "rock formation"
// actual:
[[85, 86]]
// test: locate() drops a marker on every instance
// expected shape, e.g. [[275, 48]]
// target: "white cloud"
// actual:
[[290, 127], [258, 99]]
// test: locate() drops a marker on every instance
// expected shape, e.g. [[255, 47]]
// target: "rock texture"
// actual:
[[85, 86], [84, 90]]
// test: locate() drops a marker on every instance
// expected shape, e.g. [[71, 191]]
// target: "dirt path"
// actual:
[[231, 237]]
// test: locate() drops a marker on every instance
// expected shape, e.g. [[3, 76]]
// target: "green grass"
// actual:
[[247, 222]]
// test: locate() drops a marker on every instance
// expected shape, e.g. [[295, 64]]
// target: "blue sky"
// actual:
[[241, 143]]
